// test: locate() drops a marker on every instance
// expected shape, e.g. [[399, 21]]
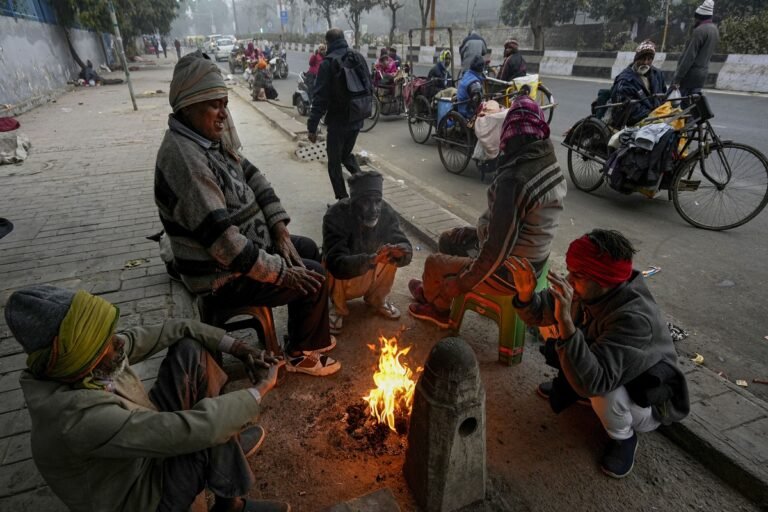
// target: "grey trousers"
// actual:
[[187, 375]]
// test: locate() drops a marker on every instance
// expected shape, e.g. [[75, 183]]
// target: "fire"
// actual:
[[394, 381]]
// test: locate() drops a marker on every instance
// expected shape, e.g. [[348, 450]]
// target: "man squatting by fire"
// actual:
[[100, 441], [363, 246], [612, 348]]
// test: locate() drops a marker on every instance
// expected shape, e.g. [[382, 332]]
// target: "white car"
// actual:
[[210, 42], [222, 48]]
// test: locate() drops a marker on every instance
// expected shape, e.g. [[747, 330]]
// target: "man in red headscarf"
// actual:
[[612, 345]]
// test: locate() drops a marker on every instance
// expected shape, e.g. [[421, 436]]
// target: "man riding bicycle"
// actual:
[[638, 81]]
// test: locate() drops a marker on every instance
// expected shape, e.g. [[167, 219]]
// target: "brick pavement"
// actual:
[[82, 205]]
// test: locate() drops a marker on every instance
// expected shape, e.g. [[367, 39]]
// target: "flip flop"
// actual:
[[250, 439]]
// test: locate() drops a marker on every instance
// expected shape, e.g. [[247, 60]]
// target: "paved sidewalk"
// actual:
[[82, 205]]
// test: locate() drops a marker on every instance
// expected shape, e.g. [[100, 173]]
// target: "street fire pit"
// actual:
[[379, 421]]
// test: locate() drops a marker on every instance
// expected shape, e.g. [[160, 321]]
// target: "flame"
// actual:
[[394, 383]]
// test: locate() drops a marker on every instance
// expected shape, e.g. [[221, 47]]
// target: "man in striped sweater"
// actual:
[[524, 205], [227, 227]]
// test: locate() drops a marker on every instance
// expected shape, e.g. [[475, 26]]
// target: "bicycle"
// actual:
[[714, 184]]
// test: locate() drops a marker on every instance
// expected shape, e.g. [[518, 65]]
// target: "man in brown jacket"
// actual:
[[100, 441]]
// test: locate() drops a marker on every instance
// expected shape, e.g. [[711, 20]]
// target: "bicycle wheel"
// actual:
[[371, 120], [545, 99], [728, 190], [420, 120], [591, 137], [455, 143]]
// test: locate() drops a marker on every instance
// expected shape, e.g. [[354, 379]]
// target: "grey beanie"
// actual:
[[34, 314]]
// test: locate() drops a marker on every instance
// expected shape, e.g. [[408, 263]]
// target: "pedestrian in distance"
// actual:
[[363, 246], [693, 65], [94, 424], [514, 64], [164, 44], [608, 341], [472, 46], [226, 225], [343, 93], [177, 45], [525, 201]]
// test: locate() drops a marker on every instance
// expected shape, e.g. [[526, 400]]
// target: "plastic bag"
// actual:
[[674, 97]]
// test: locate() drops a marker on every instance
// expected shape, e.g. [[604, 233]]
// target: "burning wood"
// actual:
[[392, 398]]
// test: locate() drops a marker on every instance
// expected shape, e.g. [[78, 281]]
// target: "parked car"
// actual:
[[210, 41], [223, 47]]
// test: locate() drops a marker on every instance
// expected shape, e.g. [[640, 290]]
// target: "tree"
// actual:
[[393, 6], [539, 14], [353, 11], [325, 8], [634, 11], [424, 7], [135, 17], [745, 34]]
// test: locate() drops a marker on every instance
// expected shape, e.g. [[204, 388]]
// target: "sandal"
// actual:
[[250, 439], [312, 363], [388, 311]]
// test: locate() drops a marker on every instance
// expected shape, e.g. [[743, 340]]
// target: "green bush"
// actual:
[[747, 34]]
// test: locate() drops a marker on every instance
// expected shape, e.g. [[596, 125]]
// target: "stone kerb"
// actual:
[[744, 73], [558, 63]]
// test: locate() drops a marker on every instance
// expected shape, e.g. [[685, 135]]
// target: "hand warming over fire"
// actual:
[[562, 291], [252, 358], [524, 277]]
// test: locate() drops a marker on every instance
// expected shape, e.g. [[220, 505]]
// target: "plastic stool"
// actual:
[[498, 308], [224, 316]]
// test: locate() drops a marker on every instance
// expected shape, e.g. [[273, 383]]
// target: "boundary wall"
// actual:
[[734, 72]]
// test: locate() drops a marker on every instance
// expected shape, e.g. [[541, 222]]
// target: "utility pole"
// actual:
[[432, 24], [666, 25], [234, 17], [121, 52]]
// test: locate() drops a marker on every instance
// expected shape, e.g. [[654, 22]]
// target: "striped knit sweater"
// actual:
[[524, 205], [217, 210]]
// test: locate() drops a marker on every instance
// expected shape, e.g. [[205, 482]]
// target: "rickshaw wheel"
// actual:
[[420, 120], [591, 137], [455, 142], [545, 98], [371, 121]]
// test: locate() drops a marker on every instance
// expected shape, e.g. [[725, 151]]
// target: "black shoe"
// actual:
[[619, 458], [545, 389]]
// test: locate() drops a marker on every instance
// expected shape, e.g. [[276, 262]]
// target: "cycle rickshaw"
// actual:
[[714, 184], [539, 92]]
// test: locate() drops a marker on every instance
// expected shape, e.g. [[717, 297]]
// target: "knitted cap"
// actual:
[[706, 8], [510, 43], [477, 64], [365, 184], [34, 314], [645, 48]]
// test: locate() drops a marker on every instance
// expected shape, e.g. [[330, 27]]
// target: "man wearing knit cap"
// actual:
[[514, 64], [226, 226], [693, 65], [525, 201], [100, 441], [363, 246], [611, 346], [638, 81]]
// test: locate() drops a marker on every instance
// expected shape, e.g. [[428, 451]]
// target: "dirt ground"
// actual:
[[536, 460]]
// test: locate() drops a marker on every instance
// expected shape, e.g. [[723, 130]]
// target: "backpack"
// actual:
[[354, 82]]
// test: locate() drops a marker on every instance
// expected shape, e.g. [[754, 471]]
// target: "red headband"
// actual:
[[585, 257]]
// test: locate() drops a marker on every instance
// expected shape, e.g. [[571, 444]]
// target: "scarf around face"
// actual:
[[585, 257], [83, 338]]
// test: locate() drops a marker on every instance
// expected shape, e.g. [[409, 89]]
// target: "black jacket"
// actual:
[[328, 98], [348, 246], [620, 340], [513, 67], [629, 86]]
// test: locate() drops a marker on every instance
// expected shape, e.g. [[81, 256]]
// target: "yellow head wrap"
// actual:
[[83, 338]]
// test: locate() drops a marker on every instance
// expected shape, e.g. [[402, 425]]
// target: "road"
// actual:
[[711, 283]]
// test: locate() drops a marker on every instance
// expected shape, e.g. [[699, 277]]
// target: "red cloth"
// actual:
[[585, 257], [314, 64], [8, 124], [525, 117]]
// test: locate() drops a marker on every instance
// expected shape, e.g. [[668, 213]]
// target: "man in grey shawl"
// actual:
[[227, 227]]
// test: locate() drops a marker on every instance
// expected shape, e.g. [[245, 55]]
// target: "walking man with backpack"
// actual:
[[344, 94]]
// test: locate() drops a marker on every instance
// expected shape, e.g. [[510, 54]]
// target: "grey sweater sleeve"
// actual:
[[688, 56]]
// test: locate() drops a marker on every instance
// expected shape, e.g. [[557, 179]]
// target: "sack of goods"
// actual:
[[643, 156]]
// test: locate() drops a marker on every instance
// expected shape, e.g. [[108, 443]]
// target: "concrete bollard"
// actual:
[[445, 458]]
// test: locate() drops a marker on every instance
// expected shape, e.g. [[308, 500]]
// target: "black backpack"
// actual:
[[354, 83]]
